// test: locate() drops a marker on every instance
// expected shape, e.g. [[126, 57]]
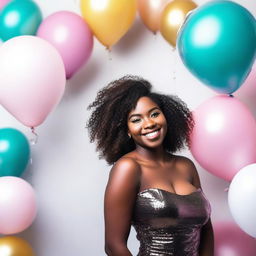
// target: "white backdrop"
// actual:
[[68, 178]]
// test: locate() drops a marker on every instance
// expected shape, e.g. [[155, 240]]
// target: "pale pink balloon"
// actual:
[[32, 78], [224, 137], [71, 36], [17, 205], [230, 240], [3, 3]]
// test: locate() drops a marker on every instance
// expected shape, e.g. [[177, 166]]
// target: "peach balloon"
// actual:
[[150, 12]]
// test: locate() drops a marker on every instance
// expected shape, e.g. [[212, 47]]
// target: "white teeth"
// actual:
[[152, 134]]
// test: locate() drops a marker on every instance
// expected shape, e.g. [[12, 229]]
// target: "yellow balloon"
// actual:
[[109, 19], [173, 16], [14, 246]]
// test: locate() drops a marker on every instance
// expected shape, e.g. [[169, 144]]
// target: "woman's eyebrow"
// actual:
[[141, 115]]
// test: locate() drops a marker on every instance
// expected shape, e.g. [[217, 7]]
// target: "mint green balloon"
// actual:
[[217, 43], [19, 17], [14, 152]]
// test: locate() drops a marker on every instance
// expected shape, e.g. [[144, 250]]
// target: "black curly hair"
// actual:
[[108, 122]]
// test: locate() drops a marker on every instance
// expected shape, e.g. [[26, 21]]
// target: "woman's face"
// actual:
[[147, 124]]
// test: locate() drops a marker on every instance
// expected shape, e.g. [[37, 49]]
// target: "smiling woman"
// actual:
[[149, 187]]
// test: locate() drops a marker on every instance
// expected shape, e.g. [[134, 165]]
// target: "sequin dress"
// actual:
[[168, 223]]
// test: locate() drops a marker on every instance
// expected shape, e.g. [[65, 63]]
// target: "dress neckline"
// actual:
[[168, 192]]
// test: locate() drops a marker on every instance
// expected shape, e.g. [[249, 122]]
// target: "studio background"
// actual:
[[65, 171]]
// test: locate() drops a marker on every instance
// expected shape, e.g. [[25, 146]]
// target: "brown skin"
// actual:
[[136, 171]]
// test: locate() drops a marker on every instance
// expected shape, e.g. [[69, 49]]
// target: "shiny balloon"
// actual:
[[19, 18], [17, 205], [224, 136], [217, 43], [15, 246], [109, 19], [32, 78], [173, 16], [241, 199], [71, 36], [150, 12], [14, 152], [230, 240], [3, 3]]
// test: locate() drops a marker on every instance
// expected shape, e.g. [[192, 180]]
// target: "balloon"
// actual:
[[217, 44], [15, 246], [17, 205], [150, 12], [3, 3], [71, 36], [19, 18], [241, 199], [172, 18], [109, 19], [224, 136], [32, 78], [230, 240], [14, 152]]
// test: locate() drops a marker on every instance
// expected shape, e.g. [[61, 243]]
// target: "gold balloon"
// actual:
[[150, 12], [14, 246], [109, 19], [172, 18]]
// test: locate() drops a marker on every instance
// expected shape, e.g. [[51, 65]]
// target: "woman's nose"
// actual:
[[149, 123]]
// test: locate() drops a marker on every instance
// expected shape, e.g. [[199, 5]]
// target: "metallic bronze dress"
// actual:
[[168, 223]]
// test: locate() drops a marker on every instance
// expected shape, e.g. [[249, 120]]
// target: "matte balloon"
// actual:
[[109, 19], [71, 36], [217, 43], [19, 18], [32, 78], [241, 199], [224, 136], [173, 16], [17, 205], [150, 12], [230, 240], [3, 3], [15, 246], [14, 152]]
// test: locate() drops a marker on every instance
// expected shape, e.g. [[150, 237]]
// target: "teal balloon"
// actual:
[[217, 43], [19, 17], [14, 152]]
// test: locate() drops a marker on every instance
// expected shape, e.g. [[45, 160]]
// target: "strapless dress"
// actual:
[[169, 224]]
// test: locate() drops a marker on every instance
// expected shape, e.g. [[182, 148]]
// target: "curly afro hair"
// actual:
[[108, 122]]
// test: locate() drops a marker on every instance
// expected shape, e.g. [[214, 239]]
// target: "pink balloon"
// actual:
[[17, 205], [230, 240], [32, 78], [224, 137], [3, 3], [71, 36]]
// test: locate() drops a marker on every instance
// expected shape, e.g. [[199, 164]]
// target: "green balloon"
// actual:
[[19, 17], [14, 152], [217, 43]]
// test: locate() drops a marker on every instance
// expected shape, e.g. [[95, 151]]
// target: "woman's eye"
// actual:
[[155, 114], [135, 120]]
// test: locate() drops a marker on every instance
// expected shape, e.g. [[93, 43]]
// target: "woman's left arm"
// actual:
[[206, 247]]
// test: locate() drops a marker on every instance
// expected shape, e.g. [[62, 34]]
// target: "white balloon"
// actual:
[[241, 199]]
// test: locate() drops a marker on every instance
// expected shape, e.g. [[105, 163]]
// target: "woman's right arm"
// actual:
[[120, 196]]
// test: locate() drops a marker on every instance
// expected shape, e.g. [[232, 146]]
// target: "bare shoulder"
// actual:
[[125, 172], [185, 166]]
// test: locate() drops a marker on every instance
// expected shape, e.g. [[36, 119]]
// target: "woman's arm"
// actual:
[[206, 247], [120, 196]]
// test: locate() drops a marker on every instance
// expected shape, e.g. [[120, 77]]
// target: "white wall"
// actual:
[[67, 176]]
